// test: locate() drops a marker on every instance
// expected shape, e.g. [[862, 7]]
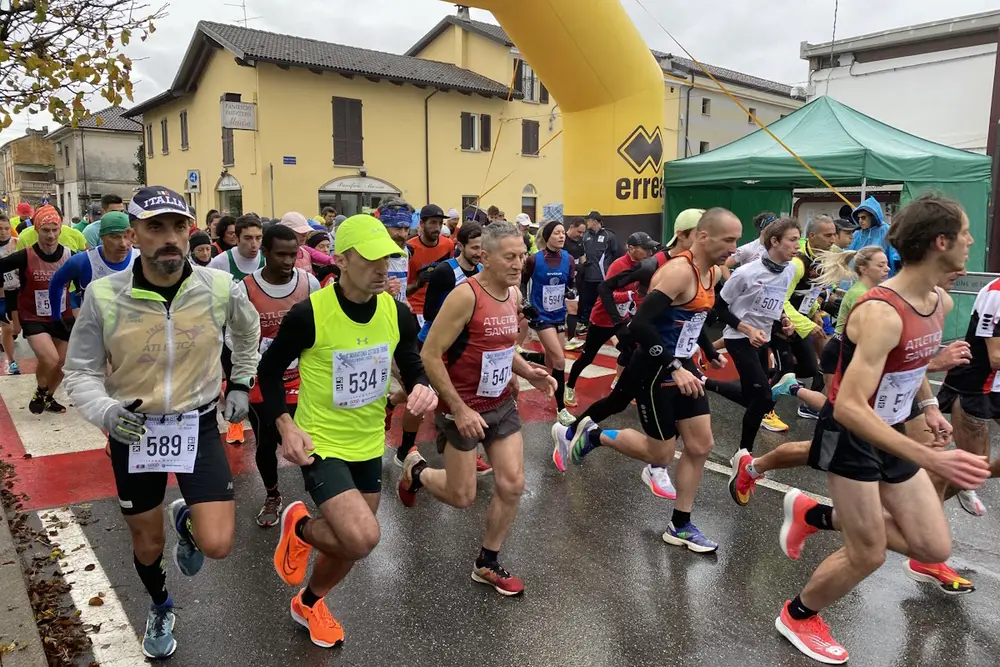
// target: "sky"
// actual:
[[761, 38]]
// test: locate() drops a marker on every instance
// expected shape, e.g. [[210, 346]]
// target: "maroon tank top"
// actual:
[[479, 362]]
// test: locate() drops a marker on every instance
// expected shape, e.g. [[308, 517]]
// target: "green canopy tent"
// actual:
[[847, 148]]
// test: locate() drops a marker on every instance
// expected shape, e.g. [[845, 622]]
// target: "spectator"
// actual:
[[329, 214], [601, 247], [873, 230], [523, 221]]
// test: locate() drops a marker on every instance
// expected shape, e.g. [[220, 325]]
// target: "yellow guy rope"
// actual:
[[493, 187], [745, 110], [496, 142]]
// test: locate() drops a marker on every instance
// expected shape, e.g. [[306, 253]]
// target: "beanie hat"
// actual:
[[197, 239]]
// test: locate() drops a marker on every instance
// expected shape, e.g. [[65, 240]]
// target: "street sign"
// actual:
[[288, 159], [239, 115], [972, 282], [194, 180]]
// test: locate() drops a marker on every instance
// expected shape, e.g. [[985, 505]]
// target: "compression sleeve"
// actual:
[[296, 334], [644, 332], [72, 271], [707, 346]]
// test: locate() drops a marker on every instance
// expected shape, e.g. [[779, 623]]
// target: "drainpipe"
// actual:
[[83, 152], [687, 113], [427, 145]]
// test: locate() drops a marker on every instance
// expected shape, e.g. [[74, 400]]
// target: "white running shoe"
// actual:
[[970, 502], [565, 417], [658, 481]]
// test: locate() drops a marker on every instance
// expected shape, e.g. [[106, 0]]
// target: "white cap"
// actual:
[[452, 213], [523, 219]]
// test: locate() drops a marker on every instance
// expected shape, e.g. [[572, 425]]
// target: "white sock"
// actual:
[[752, 471]]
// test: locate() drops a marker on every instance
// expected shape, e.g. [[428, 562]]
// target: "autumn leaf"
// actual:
[[96, 601]]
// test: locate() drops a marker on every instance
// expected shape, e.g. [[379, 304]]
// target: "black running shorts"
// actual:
[[57, 330], [327, 478], [836, 450], [661, 404], [211, 480], [982, 407], [830, 355]]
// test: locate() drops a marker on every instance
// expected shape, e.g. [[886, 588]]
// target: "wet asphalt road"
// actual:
[[602, 588]]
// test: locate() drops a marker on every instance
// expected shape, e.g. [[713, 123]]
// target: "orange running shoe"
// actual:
[[811, 636], [324, 630], [741, 484], [795, 530], [291, 558], [234, 436], [947, 580]]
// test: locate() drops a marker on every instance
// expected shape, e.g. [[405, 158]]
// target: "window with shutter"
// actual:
[[518, 75], [347, 132], [228, 154], [149, 142], [485, 128], [163, 136], [529, 137], [184, 130], [468, 129], [543, 96]]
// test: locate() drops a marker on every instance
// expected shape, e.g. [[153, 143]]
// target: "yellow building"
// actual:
[[333, 124]]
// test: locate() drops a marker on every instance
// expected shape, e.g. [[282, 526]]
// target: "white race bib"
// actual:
[[809, 299], [42, 306], [265, 343], [553, 297], [420, 321], [687, 341], [10, 280], [769, 301], [170, 444], [895, 394], [496, 372], [360, 376]]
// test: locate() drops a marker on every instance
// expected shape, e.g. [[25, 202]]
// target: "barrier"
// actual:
[[964, 294]]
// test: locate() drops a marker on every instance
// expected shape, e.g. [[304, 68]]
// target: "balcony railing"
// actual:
[[37, 186]]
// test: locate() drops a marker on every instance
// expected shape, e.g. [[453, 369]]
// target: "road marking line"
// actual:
[[115, 644]]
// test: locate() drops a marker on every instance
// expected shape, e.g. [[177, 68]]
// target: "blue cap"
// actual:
[[156, 200], [395, 216]]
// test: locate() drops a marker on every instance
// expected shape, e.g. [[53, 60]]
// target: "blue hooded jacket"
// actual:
[[876, 234]]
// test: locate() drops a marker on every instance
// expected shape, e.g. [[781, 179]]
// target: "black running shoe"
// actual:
[[52, 405], [37, 403]]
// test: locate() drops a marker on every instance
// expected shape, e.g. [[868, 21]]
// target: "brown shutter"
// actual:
[[340, 130], [467, 131], [525, 137], [484, 132], [543, 96], [518, 85], [355, 133]]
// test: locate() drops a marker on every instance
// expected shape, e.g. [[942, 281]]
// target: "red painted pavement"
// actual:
[[64, 479]]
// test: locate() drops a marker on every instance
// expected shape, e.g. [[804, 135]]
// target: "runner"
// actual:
[[158, 404], [469, 355], [114, 254], [443, 279], [971, 394], [345, 338], [68, 237], [35, 266], [671, 399], [544, 279], [245, 257], [613, 308], [9, 326], [574, 246], [859, 441], [427, 249], [273, 290], [796, 352], [753, 250], [201, 249], [750, 303]]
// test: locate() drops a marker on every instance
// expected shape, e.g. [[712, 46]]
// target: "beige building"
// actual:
[[27, 165], [95, 158], [705, 116]]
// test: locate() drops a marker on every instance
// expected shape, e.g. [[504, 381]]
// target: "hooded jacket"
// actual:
[[876, 234]]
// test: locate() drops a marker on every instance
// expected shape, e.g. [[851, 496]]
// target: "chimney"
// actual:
[[463, 13]]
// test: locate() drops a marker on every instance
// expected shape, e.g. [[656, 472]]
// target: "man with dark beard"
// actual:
[[159, 326]]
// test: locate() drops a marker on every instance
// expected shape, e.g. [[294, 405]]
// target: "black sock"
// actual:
[[273, 493], [818, 384], [418, 468], [560, 376], [820, 517], [308, 597], [153, 578], [594, 436], [487, 557], [534, 357], [300, 528], [571, 326], [409, 442], [799, 611], [680, 518]]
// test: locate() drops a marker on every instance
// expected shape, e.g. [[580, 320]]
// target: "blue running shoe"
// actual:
[[783, 388], [689, 536], [13, 368], [158, 642], [581, 443], [807, 413], [187, 557]]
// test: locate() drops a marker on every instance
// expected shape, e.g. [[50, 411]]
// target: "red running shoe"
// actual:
[[795, 530], [407, 494], [500, 579], [483, 466], [946, 579], [811, 636], [741, 484]]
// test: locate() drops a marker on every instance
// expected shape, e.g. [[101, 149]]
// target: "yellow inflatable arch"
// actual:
[[610, 90]]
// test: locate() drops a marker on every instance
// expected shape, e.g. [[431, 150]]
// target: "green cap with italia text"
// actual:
[[367, 235]]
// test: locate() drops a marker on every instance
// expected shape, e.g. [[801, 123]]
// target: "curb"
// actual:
[[17, 620]]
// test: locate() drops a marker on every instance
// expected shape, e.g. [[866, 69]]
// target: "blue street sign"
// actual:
[[288, 159]]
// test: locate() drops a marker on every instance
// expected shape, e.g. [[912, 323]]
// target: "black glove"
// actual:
[[570, 293], [531, 312]]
